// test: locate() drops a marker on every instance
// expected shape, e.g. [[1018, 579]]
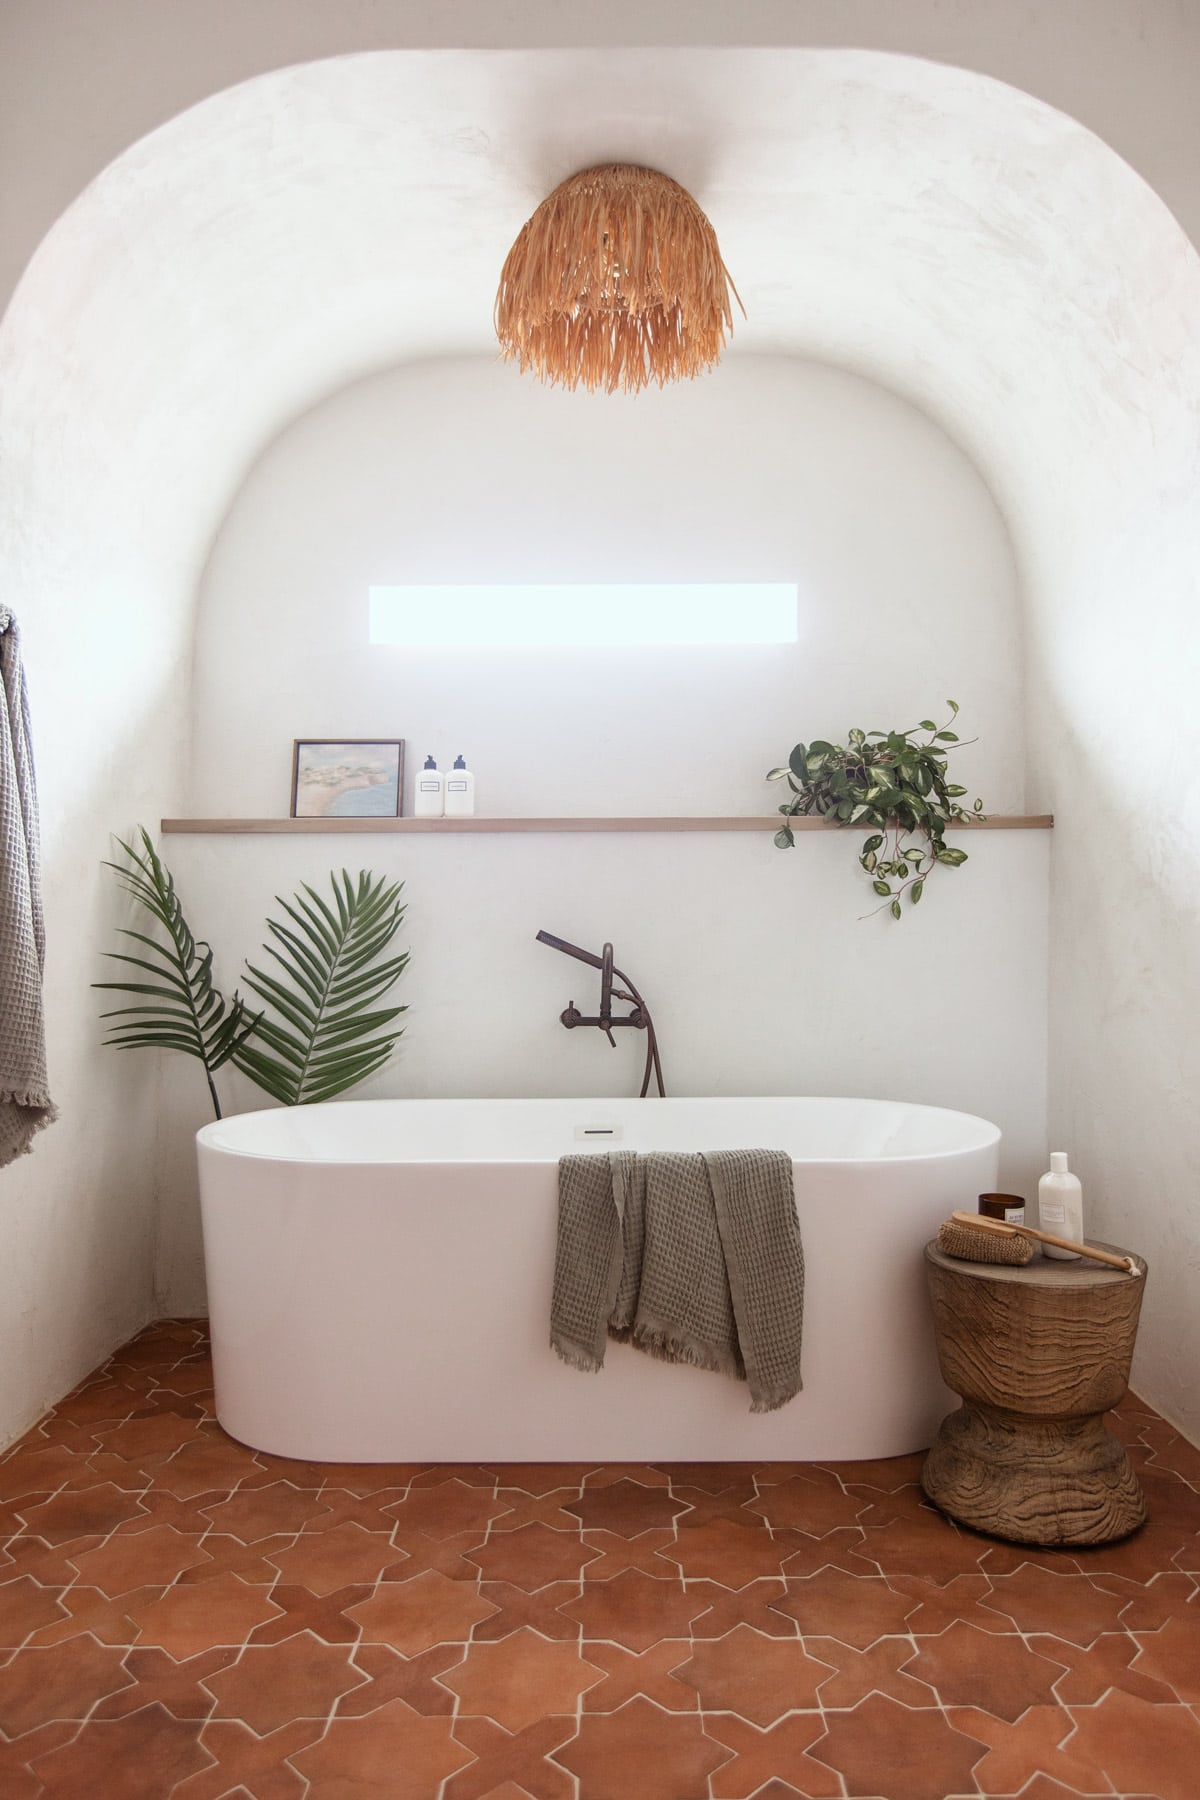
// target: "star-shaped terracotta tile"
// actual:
[[147, 1559], [1140, 1745], [82, 1512], [532, 1557], [204, 1466], [268, 1686], [357, 1759], [757, 1677], [187, 1620], [520, 1680], [736, 1479], [969, 1667], [726, 1553], [156, 1434], [1064, 1606], [61, 1682], [445, 1510], [323, 1561], [642, 1753], [855, 1608], [253, 1514], [813, 1507], [636, 1610], [27, 1606], [415, 1615], [147, 1743], [883, 1748], [38, 1469], [626, 1508]]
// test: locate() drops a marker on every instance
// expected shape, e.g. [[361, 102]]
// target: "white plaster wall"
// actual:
[[1056, 339], [763, 976], [770, 469]]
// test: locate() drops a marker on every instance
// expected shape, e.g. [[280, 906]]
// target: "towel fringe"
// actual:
[[586, 1361]]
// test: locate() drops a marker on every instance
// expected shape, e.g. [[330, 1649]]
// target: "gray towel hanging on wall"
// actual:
[[25, 1104]]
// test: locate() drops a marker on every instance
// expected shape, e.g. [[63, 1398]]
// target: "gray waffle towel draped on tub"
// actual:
[[25, 1104], [692, 1257]]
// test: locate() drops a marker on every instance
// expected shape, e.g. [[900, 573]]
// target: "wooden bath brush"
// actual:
[[977, 1239]]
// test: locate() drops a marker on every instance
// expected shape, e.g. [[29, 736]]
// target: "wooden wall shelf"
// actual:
[[253, 827]]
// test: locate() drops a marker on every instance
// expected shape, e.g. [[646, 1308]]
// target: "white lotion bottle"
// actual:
[[1060, 1207], [429, 801], [460, 791]]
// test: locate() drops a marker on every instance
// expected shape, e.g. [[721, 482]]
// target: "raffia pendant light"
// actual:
[[616, 281]]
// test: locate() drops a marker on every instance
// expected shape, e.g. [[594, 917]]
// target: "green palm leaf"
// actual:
[[192, 1015], [323, 1030]]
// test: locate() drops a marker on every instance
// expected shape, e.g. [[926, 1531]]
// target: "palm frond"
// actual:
[[189, 1012], [323, 1030]]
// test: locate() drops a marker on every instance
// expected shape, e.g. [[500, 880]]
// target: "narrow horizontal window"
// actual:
[[524, 618]]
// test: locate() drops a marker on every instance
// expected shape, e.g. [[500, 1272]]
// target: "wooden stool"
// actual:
[[1038, 1354]]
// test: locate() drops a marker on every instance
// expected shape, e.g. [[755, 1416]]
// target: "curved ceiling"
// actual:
[[960, 241]]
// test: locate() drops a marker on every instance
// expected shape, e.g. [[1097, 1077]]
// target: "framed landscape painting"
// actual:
[[351, 778]]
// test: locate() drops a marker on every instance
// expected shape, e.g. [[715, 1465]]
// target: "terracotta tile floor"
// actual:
[[182, 1617]]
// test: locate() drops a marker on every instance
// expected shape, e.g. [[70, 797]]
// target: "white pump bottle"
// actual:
[[429, 800], [1060, 1207], [460, 791]]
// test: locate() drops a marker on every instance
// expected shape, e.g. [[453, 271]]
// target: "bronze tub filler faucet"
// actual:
[[639, 1018]]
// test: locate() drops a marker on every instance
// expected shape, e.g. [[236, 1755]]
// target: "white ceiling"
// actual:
[[960, 241]]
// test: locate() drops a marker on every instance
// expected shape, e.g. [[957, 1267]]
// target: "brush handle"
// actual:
[[979, 1223]]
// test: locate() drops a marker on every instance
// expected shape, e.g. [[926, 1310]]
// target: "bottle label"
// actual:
[[1052, 1212], [428, 786], [456, 787], [1013, 1215]]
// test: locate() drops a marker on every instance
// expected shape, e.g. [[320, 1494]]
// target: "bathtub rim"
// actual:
[[985, 1135]]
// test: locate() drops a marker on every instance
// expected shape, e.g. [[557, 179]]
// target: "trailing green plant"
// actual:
[[888, 779], [321, 1030], [328, 1033], [179, 1008]]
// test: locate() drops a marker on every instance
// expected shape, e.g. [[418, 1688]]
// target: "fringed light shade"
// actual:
[[616, 281]]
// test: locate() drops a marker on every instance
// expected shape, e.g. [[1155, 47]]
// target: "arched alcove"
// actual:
[[983, 256]]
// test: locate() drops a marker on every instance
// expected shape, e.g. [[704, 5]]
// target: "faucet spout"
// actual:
[[639, 1017]]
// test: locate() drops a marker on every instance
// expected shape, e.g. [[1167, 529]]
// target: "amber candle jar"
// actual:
[[1008, 1208]]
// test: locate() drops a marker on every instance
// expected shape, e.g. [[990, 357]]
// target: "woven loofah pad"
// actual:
[[982, 1246]]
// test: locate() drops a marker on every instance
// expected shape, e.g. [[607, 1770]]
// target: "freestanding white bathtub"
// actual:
[[379, 1278]]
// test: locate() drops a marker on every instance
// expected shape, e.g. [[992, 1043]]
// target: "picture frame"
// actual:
[[347, 778]]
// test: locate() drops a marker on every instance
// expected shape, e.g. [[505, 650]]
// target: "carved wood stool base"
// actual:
[[1034, 1481]]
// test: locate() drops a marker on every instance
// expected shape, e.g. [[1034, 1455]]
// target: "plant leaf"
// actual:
[[325, 991]]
